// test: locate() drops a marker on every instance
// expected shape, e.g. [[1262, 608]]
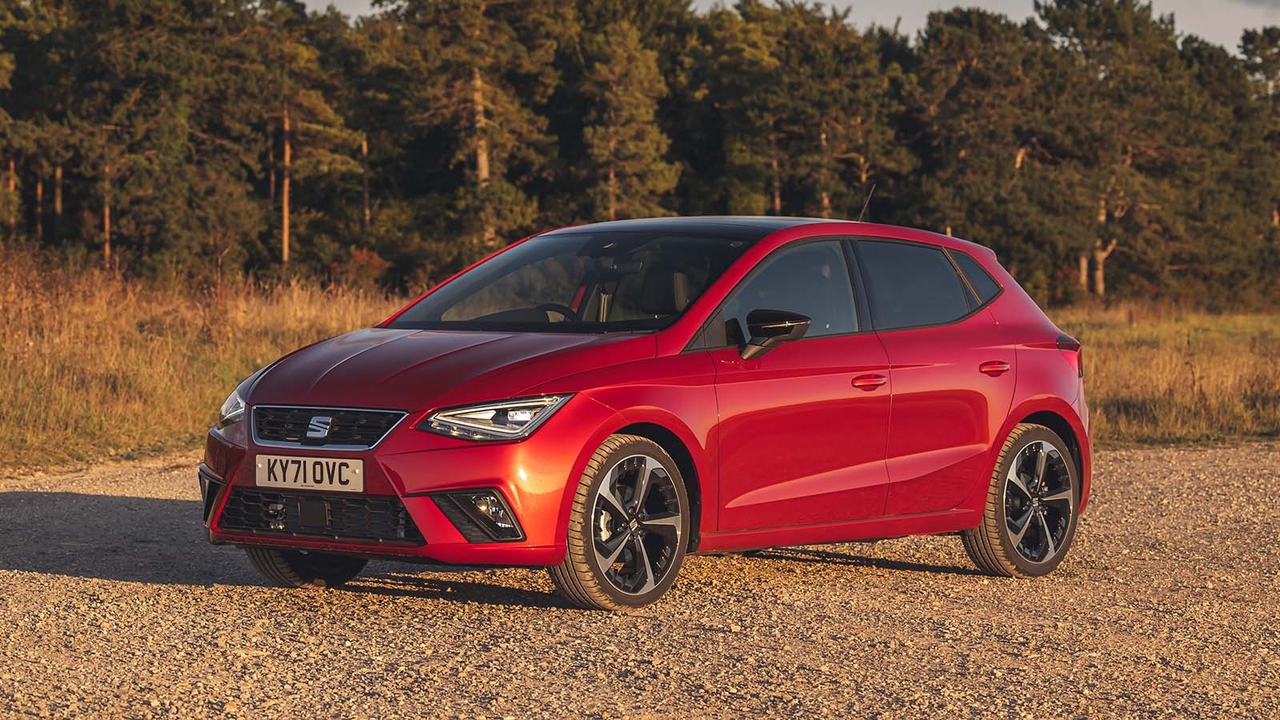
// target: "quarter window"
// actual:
[[911, 285], [811, 279], [979, 278]]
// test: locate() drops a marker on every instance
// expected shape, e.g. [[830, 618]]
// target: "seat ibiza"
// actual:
[[604, 400]]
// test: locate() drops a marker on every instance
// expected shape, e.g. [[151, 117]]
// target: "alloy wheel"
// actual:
[[1039, 502], [636, 524]]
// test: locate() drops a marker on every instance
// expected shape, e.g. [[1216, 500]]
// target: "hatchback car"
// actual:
[[604, 400]]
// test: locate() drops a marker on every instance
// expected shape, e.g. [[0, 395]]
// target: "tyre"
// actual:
[[1032, 506], [628, 528], [296, 568]]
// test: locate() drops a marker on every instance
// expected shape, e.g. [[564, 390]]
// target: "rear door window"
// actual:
[[911, 285]]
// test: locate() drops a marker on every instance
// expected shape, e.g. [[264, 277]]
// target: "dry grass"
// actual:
[[1158, 374], [94, 367]]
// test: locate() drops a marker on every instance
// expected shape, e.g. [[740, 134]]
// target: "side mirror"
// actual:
[[771, 327]]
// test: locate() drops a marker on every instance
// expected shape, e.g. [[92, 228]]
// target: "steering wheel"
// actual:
[[564, 310]]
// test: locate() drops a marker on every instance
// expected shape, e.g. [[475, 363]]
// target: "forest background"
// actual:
[[1100, 150], [191, 188]]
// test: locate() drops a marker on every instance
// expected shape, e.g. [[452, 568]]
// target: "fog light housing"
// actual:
[[480, 515]]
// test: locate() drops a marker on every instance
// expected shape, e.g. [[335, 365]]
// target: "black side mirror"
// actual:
[[771, 327]]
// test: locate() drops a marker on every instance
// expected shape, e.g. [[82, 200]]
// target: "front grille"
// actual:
[[361, 517], [289, 426]]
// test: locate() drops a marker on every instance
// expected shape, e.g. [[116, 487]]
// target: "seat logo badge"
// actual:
[[318, 428]]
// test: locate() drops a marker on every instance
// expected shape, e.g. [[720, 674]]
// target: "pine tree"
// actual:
[[310, 135], [487, 68], [1261, 50], [983, 114], [751, 94], [845, 99], [9, 182], [1135, 127], [627, 173]]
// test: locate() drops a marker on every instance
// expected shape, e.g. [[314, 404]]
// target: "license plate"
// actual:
[[308, 473]]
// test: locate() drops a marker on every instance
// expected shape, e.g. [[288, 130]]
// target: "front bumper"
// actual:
[[404, 476]]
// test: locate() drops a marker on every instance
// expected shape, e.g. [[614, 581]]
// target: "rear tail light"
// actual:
[[1073, 352]]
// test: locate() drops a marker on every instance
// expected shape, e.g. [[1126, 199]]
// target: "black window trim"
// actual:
[[699, 340], [861, 298], [970, 296]]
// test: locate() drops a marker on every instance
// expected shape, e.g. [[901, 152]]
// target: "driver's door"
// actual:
[[803, 427]]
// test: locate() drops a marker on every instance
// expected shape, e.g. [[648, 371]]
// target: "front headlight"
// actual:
[[506, 420], [232, 410]]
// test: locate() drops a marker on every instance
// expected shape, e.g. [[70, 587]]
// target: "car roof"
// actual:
[[751, 228], [735, 227]]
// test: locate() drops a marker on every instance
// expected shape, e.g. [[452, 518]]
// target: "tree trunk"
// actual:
[[106, 216], [479, 120], [13, 193], [364, 181], [284, 186], [1275, 215], [271, 172], [824, 194], [613, 180], [1084, 273], [613, 194], [57, 203], [482, 147], [39, 207], [1100, 255], [776, 174]]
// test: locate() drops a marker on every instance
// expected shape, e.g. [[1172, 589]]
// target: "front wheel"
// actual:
[[628, 528], [1032, 506], [296, 568]]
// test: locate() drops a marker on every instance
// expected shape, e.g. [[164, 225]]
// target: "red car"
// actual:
[[603, 400]]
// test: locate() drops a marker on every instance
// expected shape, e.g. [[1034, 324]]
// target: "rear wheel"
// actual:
[[298, 568], [1032, 506], [628, 527]]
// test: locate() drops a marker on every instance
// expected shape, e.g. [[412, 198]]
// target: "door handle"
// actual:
[[869, 382], [994, 368]]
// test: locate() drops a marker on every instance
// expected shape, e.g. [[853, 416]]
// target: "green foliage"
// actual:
[[627, 175], [1093, 146]]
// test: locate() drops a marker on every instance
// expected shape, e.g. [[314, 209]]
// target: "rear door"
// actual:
[[953, 380], [803, 427]]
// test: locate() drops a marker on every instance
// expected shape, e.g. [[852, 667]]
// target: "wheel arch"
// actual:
[[1059, 425], [675, 447], [1062, 419], [1051, 412], [678, 440]]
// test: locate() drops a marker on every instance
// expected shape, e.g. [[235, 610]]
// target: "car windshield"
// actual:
[[580, 281]]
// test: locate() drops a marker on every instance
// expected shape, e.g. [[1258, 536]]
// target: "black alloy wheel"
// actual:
[[629, 527], [1032, 507]]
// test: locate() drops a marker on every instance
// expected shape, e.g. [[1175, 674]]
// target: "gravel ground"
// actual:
[[113, 604]]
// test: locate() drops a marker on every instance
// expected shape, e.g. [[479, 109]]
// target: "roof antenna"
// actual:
[[868, 202]]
